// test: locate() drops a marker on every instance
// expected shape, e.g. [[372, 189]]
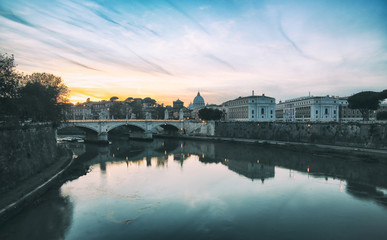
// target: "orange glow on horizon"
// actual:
[[81, 94]]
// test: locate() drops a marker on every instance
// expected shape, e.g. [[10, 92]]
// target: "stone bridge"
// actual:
[[148, 127]]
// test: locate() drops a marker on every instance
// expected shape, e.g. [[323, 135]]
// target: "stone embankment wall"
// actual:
[[25, 151], [200, 128], [365, 135]]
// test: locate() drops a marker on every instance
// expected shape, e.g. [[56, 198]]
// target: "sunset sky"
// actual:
[[224, 49]]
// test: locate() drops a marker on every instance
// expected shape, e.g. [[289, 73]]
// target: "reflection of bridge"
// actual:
[[100, 128]]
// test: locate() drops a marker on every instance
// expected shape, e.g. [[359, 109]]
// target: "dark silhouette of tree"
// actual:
[[366, 102], [43, 98], [129, 100], [118, 110], [112, 99], [149, 101], [210, 114], [160, 111], [381, 115], [137, 109], [9, 84]]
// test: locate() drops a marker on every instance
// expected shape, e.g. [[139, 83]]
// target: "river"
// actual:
[[184, 189]]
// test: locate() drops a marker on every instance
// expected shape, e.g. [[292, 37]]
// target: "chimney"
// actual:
[[253, 93]]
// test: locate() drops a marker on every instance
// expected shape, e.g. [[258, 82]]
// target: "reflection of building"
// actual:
[[309, 109], [180, 157], [251, 169], [251, 108]]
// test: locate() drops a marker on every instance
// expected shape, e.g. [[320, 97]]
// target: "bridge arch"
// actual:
[[137, 125], [169, 128], [87, 129]]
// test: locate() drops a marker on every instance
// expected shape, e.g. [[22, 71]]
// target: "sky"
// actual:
[[224, 49]]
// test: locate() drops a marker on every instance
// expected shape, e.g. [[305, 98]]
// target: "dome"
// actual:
[[198, 101]]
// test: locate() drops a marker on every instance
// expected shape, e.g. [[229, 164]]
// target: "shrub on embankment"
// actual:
[[25, 151], [355, 134]]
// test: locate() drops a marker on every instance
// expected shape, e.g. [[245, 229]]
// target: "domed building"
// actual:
[[198, 102]]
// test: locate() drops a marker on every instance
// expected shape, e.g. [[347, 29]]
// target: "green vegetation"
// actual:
[[381, 115], [366, 102], [120, 109], [210, 114], [38, 97]]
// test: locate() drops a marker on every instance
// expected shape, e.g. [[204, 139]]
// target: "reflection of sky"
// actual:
[[208, 200], [170, 49]]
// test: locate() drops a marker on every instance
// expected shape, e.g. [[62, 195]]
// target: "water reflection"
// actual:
[[251, 170], [194, 189], [48, 219], [251, 161]]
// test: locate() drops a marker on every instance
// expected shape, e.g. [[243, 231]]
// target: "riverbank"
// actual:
[[361, 135], [299, 146], [29, 189]]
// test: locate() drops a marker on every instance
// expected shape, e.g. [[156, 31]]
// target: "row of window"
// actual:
[[262, 111]]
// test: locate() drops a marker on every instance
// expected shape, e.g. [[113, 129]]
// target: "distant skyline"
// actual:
[[224, 49]]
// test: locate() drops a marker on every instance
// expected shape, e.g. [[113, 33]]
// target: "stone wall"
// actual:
[[25, 151], [367, 135], [200, 128]]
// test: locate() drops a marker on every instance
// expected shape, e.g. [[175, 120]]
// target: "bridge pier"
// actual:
[[148, 135], [141, 135], [98, 138], [102, 137]]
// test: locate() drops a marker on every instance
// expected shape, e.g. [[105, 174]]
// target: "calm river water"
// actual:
[[181, 189]]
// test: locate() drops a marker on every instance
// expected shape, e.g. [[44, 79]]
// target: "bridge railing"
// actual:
[[123, 120]]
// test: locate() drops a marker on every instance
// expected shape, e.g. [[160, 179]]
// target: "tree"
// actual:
[[210, 114], [9, 83], [149, 101], [381, 115], [160, 111], [129, 100], [112, 99], [137, 109], [366, 102], [43, 97], [118, 110]]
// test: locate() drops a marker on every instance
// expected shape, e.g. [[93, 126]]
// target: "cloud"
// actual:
[[154, 66], [220, 61], [294, 45], [193, 20], [79, 64], [156, 46], [13, 17]]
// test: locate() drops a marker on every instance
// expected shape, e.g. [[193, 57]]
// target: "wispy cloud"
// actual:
[[293, 44], [193, 20], [172, 47], [8, 14], [79, 64], [220, 61]]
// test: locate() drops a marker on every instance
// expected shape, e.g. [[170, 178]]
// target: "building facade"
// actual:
[[178, 104], [251, 108], [321, 108]]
